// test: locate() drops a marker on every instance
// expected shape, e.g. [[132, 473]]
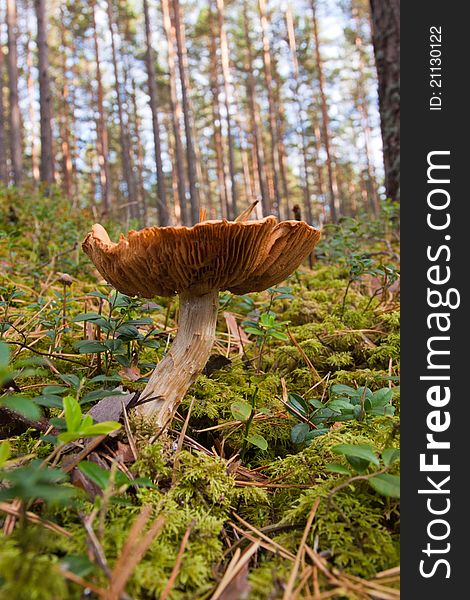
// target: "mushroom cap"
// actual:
[[242, 257]]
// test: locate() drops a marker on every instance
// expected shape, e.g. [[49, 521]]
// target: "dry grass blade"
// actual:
[[10, 510], [83, 583], [133, 550], [307, 361], [11, 517], [264, 537], [295, 568], [271, 547], [176, 567], [127, 427], [234, 567]]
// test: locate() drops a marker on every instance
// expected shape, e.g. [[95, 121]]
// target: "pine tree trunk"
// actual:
[[374, 204], [178, 162], [216, 117], [254, 117], [32, 112], [65, 116], [300, 116], [162, 207], [231, 187], [3, 154], [267, 64], [386, 40], [132, 203], [140, 157], [325, 118], [188, 126], [101, 129], [16, 152]]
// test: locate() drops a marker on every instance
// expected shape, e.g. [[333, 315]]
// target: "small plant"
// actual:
[[82, 426], [365, 465], [120, 331], [345, 403], [245, 412]]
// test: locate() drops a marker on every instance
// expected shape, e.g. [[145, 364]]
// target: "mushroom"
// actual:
[[196, 263]]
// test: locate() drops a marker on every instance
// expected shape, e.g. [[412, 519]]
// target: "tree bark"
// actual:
[[32, 112], [325, 117], [101, 129], [267, 65], [216, 117], [300, 114], [187, 117], [254, 116], [132, 203], [3, 154], [16, 152], [386, 40], [162, 207], [231, 188], [65, 115], [175, 111]]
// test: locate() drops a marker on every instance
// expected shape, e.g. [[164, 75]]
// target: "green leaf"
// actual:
[[53, 389], [338, 389], [253, 331], [241, 410], [4, 452], [340, 404], [90, 347], [313, 433], [299, 404], [299, 432], [49, 401], [103, 428], [390, 455], [95, 473], [337, 468], [91, 316], [73, 414], [363, 451], [22, 405], [71, 380], [257, 440], [386, 484], [359, 464], [4, 355], [279, 335], [382, 397]]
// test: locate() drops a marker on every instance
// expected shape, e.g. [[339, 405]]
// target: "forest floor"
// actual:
[[279, 475]]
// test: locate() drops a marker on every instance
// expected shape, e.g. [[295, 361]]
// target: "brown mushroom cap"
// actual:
[[241, 257]]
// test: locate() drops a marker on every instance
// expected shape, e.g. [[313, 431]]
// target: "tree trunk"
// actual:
[[267, 64], [132, 203], [188, 126], [16, 152], [254, 116], [325, 118], [65, 115], [140, 156], [101, 129], [32, 112], [3, 154], [386, 40], [231, 188], [162, 207], [216, 117], [178, 163], [300, 117]]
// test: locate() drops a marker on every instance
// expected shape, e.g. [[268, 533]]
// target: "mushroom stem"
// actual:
[[185, 359]]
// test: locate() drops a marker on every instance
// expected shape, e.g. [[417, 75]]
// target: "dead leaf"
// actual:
[[131, 373]]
